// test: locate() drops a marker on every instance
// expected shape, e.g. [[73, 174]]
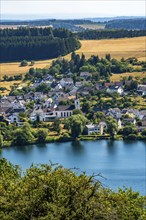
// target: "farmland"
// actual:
[[118, 48], [118, 77], [14, 68], [92, 26]]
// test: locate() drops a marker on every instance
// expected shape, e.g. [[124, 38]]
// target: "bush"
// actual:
[[24, 63], [32, 63], [132, 137], [42, 135], [66, 135]]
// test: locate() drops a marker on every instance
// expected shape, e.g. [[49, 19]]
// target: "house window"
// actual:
[[61, 114], [64, 114]]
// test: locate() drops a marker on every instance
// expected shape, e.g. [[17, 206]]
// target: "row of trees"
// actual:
[[35, 32], [102, 66], [108, 34], [11, 78]]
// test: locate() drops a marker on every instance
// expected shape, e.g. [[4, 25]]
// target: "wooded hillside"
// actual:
[[35, 43]]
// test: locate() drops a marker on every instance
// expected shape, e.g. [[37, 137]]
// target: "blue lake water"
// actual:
[[120, 163]]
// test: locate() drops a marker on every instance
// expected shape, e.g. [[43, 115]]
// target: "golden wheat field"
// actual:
[[118, 48], [15, 69], [118, 77]]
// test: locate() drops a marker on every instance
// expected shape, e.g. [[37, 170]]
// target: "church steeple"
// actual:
[[77, 103]]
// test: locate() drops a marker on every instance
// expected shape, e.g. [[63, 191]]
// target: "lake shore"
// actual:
[[63, 139]]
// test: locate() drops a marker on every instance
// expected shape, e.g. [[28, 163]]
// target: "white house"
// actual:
[[113, 89], [42, 115], [127, 121], [141, 90], [142, 113], [78, 84], [66, 82], [14, 118], [114, 112], [85, 75], [94, 128], [58, 87], [48, 102], [39, 96]]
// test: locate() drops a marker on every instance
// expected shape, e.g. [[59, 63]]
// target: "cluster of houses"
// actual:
[[72, 88], [48, 106], [123, 117], [45, 108]]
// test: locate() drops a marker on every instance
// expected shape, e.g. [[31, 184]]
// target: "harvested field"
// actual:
[[118, 48], [118, 77]]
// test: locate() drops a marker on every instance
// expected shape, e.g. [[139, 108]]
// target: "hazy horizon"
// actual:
[[61, 9], [35, 17]]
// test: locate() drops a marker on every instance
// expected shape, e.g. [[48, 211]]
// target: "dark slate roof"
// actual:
[[5, 109], [65, 108], [142, 87]]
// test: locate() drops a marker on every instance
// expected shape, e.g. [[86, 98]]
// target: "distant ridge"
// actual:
[[106, 19], [94, 19]]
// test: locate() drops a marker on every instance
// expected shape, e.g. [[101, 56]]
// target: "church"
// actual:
[[64, 111]]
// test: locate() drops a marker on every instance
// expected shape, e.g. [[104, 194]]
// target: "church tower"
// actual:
[[77, 104]]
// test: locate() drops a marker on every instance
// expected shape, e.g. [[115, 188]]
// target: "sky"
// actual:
[[29, 9]]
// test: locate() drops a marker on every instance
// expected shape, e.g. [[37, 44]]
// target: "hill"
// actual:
[[128, 24]]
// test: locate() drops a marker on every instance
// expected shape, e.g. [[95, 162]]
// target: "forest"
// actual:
[[108, 34], [35, 43], [129, 24]]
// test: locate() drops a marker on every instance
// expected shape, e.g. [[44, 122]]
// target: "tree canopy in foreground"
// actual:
[[52, 192]]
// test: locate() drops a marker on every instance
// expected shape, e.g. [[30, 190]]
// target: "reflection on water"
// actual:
[[121, 162], [26, 149], [77, 147], [112, 147]]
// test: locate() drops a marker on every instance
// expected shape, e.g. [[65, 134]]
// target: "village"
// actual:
[[64, 97]]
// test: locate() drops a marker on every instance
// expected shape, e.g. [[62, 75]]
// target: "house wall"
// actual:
[[14, 118], [95, 130], [63, 114]]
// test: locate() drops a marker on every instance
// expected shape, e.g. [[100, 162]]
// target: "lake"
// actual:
[[121, 163]]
